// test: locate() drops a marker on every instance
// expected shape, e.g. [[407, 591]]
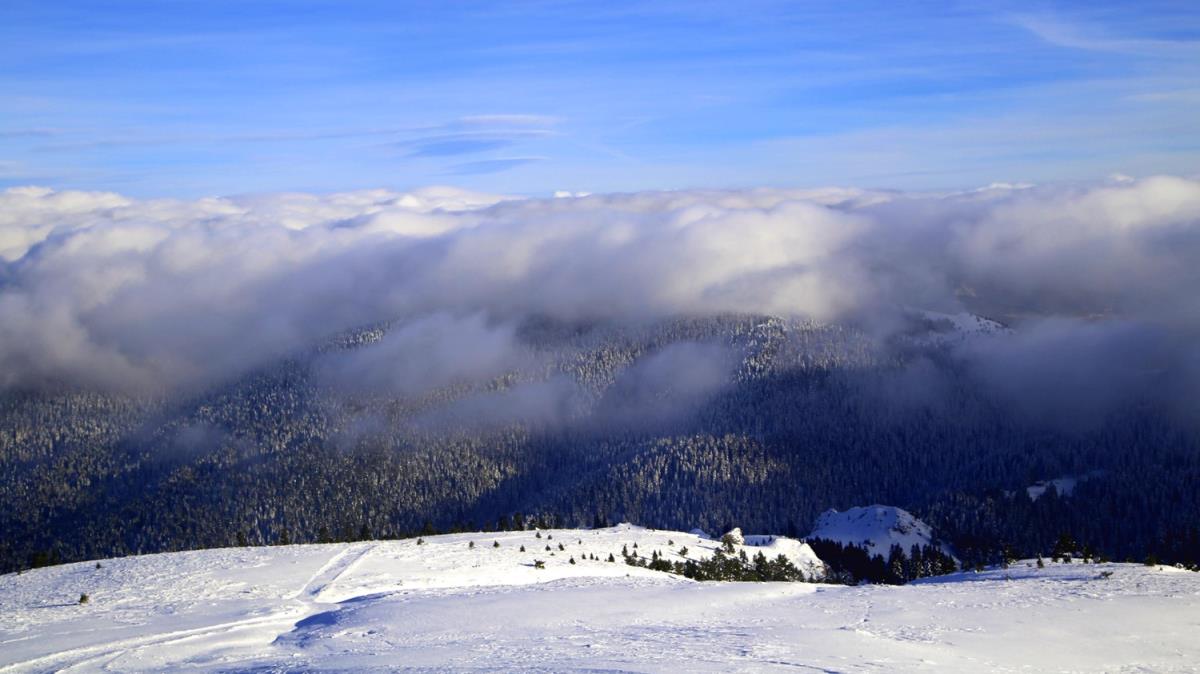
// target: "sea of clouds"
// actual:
[[1101, 281]]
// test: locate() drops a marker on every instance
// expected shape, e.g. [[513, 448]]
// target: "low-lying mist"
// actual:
[[1099, 285]]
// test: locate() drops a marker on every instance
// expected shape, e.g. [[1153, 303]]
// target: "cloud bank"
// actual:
[[100, 290]]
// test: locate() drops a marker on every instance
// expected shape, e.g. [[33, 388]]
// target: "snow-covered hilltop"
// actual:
[[470, 601], [876, 528]]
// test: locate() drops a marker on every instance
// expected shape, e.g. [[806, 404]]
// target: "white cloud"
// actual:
[[100, 289]]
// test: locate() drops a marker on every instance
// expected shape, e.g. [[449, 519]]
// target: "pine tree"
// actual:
[[727, 543], [895, 565]]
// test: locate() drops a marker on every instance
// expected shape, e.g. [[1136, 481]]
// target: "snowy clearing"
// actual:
[[444, 605]]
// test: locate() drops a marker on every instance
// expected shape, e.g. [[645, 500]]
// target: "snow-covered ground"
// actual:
[[443, 605]]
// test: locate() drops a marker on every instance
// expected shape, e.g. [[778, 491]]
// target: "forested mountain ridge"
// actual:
[[712, 422]]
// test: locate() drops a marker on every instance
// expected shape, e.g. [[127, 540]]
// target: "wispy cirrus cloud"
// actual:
[[480, 128], [469, 143], [28, 133], [626, 97], [484, 166], [1080, 35], [446, 146], [475, 134]]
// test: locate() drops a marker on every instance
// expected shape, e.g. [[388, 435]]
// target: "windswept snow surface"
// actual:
[[396, 606], [876, 528]]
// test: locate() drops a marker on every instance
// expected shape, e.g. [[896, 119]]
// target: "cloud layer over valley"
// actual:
[[99, 290]]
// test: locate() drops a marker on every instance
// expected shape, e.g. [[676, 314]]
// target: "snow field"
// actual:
[[447, 606]]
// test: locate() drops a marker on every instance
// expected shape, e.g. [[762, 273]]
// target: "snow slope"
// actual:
[[876, 528], [1065, 486], [938, 328], [389, 605]]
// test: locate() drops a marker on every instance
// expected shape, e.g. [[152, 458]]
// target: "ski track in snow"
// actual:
[[337, 566], [106, 655], [449, 606]]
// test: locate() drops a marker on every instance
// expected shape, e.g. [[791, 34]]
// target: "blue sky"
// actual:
[[186, 98]]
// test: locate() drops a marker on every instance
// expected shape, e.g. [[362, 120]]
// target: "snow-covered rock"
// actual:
[[876, 528], [798, 552]]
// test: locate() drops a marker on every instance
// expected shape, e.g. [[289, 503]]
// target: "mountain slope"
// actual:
[[778, 421]]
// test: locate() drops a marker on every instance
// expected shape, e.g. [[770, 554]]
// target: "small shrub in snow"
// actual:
[[83, 598]]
